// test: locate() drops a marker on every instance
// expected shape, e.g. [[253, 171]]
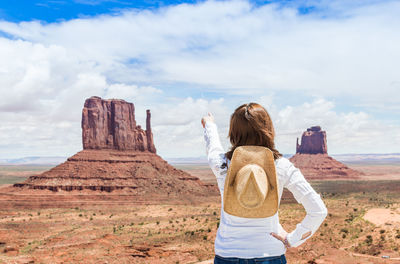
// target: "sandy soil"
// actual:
[[172, 233], [382, 216], [74, 228]]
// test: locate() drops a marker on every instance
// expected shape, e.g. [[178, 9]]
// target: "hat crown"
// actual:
[[251, 186]]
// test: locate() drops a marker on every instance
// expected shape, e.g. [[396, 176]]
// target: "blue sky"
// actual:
[[328, 63], [62, 10], [59, 10]]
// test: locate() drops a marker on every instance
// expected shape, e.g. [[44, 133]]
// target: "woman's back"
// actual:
[[250, 237]]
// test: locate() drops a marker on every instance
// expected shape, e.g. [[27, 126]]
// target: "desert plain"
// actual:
[[362, 226]]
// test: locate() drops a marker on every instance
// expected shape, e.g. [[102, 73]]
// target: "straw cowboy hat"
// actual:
[[251, 185]]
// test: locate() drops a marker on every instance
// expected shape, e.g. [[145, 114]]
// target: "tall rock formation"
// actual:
[[313, 160], [118, 155], [111, 124], [149, 134], [313, 141]]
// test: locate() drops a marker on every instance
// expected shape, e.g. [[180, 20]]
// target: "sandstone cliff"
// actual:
[[313, 141], [111, 124]]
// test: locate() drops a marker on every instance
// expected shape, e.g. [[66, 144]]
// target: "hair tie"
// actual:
[[246, 113]]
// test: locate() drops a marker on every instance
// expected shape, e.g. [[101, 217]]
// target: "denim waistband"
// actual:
[[282, 259]]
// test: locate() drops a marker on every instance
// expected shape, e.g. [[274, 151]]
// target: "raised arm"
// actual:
[[215, 153], [312, 202]]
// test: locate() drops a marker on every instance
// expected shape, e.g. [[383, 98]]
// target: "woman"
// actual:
[[258, 240]]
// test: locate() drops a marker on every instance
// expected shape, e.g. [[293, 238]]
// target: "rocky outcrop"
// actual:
[[313, 160], [111, 124], [118, 156], [149, 134], [313, 141]]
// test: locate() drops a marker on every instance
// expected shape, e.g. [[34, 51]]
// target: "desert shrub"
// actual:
[[170, 209], [355, 209], [382, 231], [350, 217], [344, 236], [368, 240], [158, 222], [344, 230], [204, 237]]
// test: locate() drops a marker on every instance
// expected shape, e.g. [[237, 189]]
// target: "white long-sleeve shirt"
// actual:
[[250, 237]]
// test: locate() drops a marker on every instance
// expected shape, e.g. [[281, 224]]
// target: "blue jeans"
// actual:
[[264, 260]]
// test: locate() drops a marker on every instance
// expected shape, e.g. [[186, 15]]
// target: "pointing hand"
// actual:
[[207, 118]]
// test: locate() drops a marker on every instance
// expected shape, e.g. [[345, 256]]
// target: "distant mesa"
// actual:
[[118, 155], [313, 141], [313, 160]]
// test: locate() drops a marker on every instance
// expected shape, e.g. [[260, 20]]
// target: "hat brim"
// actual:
[[263, 157]]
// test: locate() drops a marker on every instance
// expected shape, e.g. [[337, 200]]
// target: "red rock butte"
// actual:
[[117, 155], [313, 160], [111, 124], [313, 141]]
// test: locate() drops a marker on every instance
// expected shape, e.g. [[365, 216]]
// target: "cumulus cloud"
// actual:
[[347, 132], [233, 50]]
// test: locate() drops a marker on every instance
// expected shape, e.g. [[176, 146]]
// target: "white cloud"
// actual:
[[177, 123], [348, 132], [232, 45], [229, 47]]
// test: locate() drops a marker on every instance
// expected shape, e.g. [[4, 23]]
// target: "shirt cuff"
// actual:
[[294, 237]]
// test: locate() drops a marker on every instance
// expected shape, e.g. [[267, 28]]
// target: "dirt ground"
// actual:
[[362, 227]]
